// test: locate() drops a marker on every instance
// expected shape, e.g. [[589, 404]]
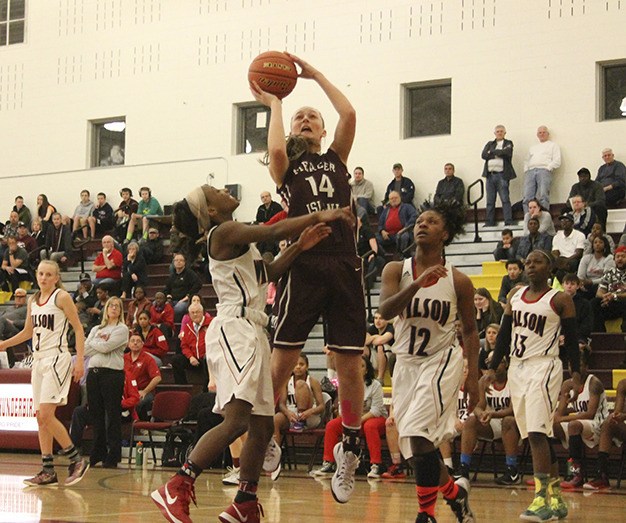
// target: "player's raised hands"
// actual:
[[306, 69], [262, 96]]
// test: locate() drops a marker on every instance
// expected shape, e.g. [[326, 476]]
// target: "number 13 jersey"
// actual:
[[536, 325], [426, 325]]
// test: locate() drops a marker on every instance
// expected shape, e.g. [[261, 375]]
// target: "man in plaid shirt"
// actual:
[[610, 300]]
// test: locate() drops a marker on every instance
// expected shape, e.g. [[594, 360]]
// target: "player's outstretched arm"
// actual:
[[276, 145], [465, 304]]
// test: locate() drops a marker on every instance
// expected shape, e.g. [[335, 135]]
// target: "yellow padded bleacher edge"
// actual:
[[618, 375], [494, 268]]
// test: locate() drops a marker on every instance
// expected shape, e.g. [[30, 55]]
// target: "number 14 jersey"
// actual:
[[536, 325], [426, 325]]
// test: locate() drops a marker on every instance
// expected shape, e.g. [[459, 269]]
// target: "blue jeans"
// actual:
[[496, 184], [537, 184]]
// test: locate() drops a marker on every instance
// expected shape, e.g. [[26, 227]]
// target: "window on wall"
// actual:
[[109, 142], [12, 21], [612, 89], [428, 108], [253, 122]]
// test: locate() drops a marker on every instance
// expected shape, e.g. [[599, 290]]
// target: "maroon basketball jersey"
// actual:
[[315, 182]]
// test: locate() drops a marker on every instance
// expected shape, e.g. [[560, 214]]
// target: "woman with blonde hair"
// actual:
[[49, 312], [105, 383]]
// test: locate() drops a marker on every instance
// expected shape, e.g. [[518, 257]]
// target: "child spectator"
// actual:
[[379, 339], [154, 341], [515, 276], [507, 247], [124, 212], [82, 213], [148, 206], [162, 314]]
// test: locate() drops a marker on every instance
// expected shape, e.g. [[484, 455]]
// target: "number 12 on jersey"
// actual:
[[425, 335]]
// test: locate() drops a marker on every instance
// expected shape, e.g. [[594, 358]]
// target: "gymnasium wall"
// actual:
[[175, 69]]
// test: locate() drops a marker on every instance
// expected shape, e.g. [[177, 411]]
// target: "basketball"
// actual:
[[274, 72]]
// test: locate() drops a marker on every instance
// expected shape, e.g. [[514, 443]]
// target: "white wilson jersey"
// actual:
[[50, 327], [426, 325], [498, 399], [240, 283], [582, 402], [536, 326]]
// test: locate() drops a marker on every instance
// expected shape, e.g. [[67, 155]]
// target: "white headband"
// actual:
[[197, 203]]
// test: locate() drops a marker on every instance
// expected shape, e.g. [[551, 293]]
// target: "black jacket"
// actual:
[[506, 153], [187, 283]]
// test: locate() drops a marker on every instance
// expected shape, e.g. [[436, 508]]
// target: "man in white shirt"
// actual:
[[543, 158], [567, 247], [362, 190]]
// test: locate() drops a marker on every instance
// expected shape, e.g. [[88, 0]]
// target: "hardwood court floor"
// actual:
[[123, 495]]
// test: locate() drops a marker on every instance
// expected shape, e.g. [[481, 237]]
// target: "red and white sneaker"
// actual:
[[599, 483], [173, 499], [247, 512]]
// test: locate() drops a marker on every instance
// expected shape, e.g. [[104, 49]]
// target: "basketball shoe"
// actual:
[[559, 507], [460, 504], [173, 499], [231, 477], [342, 482], [423, 517], [599, 483], [43, 479], [247, 512], [394, 472], [272, 456], [538, 511], [76, 470]]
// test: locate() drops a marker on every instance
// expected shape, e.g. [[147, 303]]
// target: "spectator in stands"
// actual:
[[37, 233], [181, 286], [267, 209], [134, 270], [506, 247], [373, 263], [592, 191], [186, 318], [533, 240], [395, 224], [372, 425], [450, 187], [95, 311], [154, 341], [584, 314], [584, 217], [514, 276], [126, 209], [492, 419], [612, 432], [15, 267], [400, 184], [101, 220], [535, 210], [498, 172], [487, 311], [162, 314], [598, 230], [86, 291], [105, 383], [58, 241], [610, 300], [193, 348], [25, 240], [378, 340], [139, 303], [301, 405], [612, 177], [22, 211], [580, 420], [81, 417], [593, 266], [108, 264], [148, 206], [13, 320], [362, 191], [491, 335], [10, 228], [45, 210], [144, 372], [152, 248], [82, 213], [543, 158], [567, 247]]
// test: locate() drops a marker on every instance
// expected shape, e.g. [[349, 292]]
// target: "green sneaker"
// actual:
[[559, 507], [537, 511]]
